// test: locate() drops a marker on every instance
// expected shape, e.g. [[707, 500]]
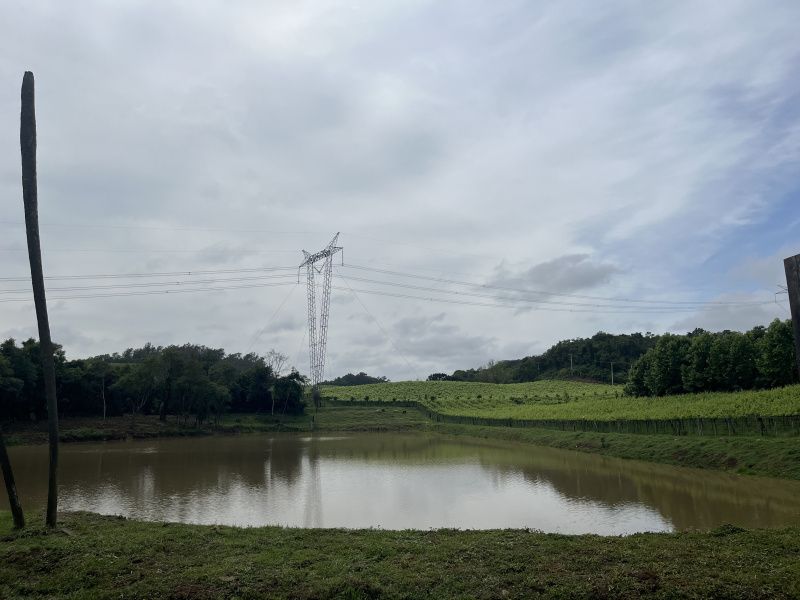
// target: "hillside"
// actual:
[[568, 400]]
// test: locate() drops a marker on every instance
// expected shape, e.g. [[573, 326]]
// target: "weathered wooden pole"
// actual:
[[792, 267], [27, 142], [11, 488]]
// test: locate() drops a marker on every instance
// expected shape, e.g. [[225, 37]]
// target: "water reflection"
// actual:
[[397, 481]]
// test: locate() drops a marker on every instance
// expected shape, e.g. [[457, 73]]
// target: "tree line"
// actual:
[[189, 381], [700, 361], [359, 378], [655, 365], [581, 358]]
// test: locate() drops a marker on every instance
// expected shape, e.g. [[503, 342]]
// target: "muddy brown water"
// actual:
[[396, 481]]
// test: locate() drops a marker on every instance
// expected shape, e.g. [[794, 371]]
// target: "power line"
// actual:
[[146, 250], [155, 274], [155, 292], [186, 282], [512, 306], [550, 293], [642, 309], [515, 306], [261, 331], [161, 228], [438, 280], [388, 337], [382, 240]]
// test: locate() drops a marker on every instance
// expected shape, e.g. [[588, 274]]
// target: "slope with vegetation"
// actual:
[[657, 364], [566, 404]]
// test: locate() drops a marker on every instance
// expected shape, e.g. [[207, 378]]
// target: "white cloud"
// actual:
[[441, 138]]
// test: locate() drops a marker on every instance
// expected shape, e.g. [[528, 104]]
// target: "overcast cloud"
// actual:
[[637, 150]]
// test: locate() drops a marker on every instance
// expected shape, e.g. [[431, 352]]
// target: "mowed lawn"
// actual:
[[91, 556]]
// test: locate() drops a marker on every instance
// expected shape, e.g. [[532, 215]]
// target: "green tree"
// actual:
[[289, 392], [10, 389], [664, 373], [139, 384], [775, 355], [636, 386], [732, 364], [695, 373]]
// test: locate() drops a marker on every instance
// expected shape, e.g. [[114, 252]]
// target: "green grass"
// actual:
[[90, 556], [567, 400], [744, 455], [119, 428]]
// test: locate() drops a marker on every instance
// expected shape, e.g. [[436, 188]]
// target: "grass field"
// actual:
[[91, 556], [566, 400]]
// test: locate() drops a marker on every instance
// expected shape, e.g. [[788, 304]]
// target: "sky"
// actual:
[[594, 151]]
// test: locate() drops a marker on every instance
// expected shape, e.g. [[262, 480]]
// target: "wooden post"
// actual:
[[792, 267], [8, 477], [27, 142]]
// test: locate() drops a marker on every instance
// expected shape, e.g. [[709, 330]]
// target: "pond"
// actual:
[[395, 481]]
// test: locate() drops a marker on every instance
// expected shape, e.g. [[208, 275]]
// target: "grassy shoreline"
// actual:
[[751, 455], [94, 556], [91, 556]]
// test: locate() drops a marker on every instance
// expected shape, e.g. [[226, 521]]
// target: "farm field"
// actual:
[[566, 400]]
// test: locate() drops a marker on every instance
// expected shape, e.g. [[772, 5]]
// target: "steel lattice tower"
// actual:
[[317, 338]]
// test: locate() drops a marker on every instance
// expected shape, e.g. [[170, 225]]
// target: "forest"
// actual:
[[188, 381], [591, 360], [728, 361], [655, 365]]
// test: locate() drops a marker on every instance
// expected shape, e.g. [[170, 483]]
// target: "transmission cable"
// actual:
[[261, 331], [515, 306], [374, 318], [549, 293], [185, 282], [530, 300], [156, 292], [155, 274]]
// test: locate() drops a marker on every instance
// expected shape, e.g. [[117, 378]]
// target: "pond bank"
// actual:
[[751, 455], [91, 556]]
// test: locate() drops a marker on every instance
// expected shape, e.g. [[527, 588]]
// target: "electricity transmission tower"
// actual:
[[319, 263]]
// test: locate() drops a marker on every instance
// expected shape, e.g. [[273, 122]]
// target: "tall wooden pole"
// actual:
[[27, 142], [792, 267]]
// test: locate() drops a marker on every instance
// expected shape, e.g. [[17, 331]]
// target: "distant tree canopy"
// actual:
[[591, 360], [188, 380], [726, 361], [439, 377], [358, 379]]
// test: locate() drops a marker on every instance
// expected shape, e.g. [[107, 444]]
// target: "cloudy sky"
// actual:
[[600, 151]]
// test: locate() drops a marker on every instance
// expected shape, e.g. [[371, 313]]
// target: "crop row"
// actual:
[[567, 401]]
